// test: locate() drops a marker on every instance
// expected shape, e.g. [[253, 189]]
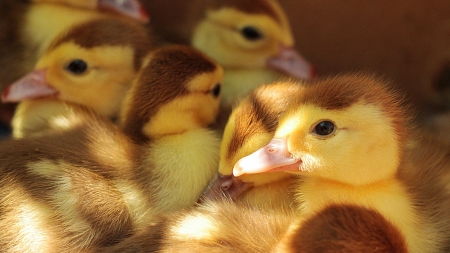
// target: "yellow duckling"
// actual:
[[251, 39], [28, 28], [94, 184], [348, 139], [88, 65]]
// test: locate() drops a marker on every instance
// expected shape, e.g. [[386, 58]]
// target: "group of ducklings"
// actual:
[[122, 143]]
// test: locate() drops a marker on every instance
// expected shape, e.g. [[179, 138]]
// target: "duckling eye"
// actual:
[[251, 33], [324, 128], [216, 90], [77, 67]]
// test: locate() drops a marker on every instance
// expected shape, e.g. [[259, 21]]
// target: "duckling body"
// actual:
[[347, 137], [87, 65], [212, 227], [94, 183], [225, 226], [343, 228]]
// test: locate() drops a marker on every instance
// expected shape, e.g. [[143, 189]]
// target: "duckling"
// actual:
[[27, 30], [88, 65], [251, 40], [130, 8], [95, 183], [348, 138], [178, 134], [251, 126]]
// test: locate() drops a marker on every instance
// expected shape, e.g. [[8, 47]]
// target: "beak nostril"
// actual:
[[226, 185]]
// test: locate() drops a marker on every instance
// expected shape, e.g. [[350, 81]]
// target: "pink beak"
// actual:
[[290, 62], [131, 8], [32, 85], [270, 158]]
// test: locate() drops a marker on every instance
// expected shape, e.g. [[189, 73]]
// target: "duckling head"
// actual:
[[93, 64], [348, 129], [177, 89], [248, 34], [250, 126]]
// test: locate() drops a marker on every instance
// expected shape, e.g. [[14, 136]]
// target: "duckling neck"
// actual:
[[162, 125]]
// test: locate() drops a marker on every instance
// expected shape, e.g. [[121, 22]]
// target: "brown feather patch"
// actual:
[[259, 112], [346, 229]]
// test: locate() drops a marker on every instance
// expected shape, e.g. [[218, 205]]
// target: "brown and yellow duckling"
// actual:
[[347, 137], [88, 65]]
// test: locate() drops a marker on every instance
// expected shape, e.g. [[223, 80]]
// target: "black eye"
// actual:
[[216, 90], [77, 67], [324, 128], [251, 33]]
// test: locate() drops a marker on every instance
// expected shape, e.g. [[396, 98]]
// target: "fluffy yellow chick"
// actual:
[[88, 65], [348, 138]]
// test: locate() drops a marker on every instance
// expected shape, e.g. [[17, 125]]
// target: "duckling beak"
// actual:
[[131, 8], [223, 186], [32, 85], [270, 158], [290, 62]]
